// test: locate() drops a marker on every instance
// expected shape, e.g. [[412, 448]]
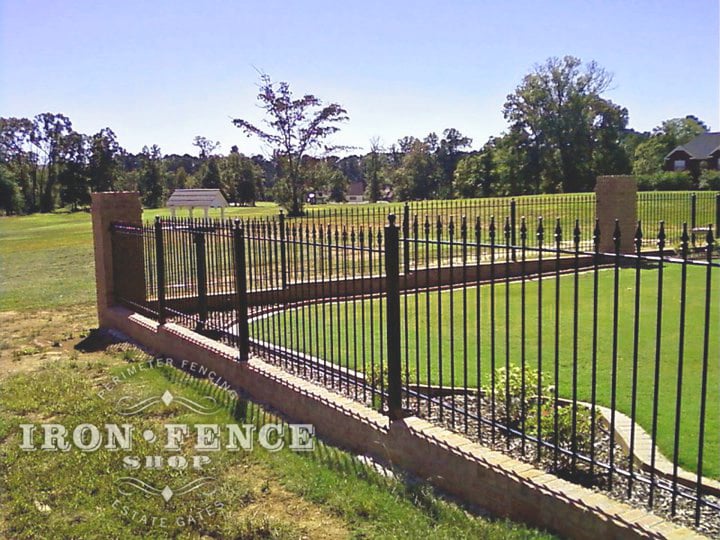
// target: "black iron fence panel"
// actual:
[[189, 273], [579, 360], [517, 332], [698, 210], [567, 207]]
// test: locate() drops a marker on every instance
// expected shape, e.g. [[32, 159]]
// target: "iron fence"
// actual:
[[568, 207], [596, 370], [601, 367], [189, 271], [697, 208]]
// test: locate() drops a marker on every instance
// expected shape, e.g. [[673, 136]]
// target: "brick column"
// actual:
[[616, 198], [106, 208]]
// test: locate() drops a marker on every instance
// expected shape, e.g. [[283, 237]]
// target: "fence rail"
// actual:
[[517, 332]]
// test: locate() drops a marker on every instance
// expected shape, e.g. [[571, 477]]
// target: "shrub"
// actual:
[[379, 378], [665, 181], [526, 415], [514, 392], [710, 180], [583, 421]]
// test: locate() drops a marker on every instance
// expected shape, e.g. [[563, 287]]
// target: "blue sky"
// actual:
[[164, 72]]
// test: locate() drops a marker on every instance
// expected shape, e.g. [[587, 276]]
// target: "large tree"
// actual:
[[50, 134], [372, 165], [103, 165], [294, 128], [241, 178], [152, 177], [211, 177], [206, 147], [574, 130], [419, 174], [73, 171], [20, 160], [449, 152]]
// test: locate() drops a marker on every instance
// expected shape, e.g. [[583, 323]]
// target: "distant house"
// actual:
[[356, 192], [701, 152], [197, 198]]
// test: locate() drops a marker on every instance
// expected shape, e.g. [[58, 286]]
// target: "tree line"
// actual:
[[562, 133]]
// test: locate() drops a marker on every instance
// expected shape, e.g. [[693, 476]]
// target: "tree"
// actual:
[[151, 178], [48, 136], [322, 175], [180, 180], [681, 130], [10, 198], [205, 146], [474, 174], [211, 178], [649, 154], [448, 154], [296, 127], [103, 160], [241, 177], [418, 175], [572, 129], [22, 163], [372, 165], [73, 171]]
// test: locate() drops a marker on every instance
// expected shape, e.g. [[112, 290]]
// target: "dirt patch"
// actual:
[[30, 340], [269, 500]]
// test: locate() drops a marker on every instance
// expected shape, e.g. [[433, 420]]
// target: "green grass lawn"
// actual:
[[46, 260], [327, 493], [347, 327]]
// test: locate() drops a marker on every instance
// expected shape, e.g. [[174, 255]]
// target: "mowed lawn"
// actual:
[[346, 334], [46, 260]]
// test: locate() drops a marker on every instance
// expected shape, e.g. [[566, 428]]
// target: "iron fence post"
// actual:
[[717, 212], [241, 299], [392, 272], [160, 262], [199, 239], [406, 234], [693, 216], [283, 262], [513, 227]]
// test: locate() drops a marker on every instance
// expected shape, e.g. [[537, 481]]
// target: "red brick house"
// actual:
[[356, 192], [701, 152]]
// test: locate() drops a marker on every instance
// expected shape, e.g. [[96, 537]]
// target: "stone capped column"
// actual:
[[125, 269], [616, 198]]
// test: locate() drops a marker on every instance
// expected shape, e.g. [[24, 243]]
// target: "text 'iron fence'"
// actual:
[[602, 367]]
